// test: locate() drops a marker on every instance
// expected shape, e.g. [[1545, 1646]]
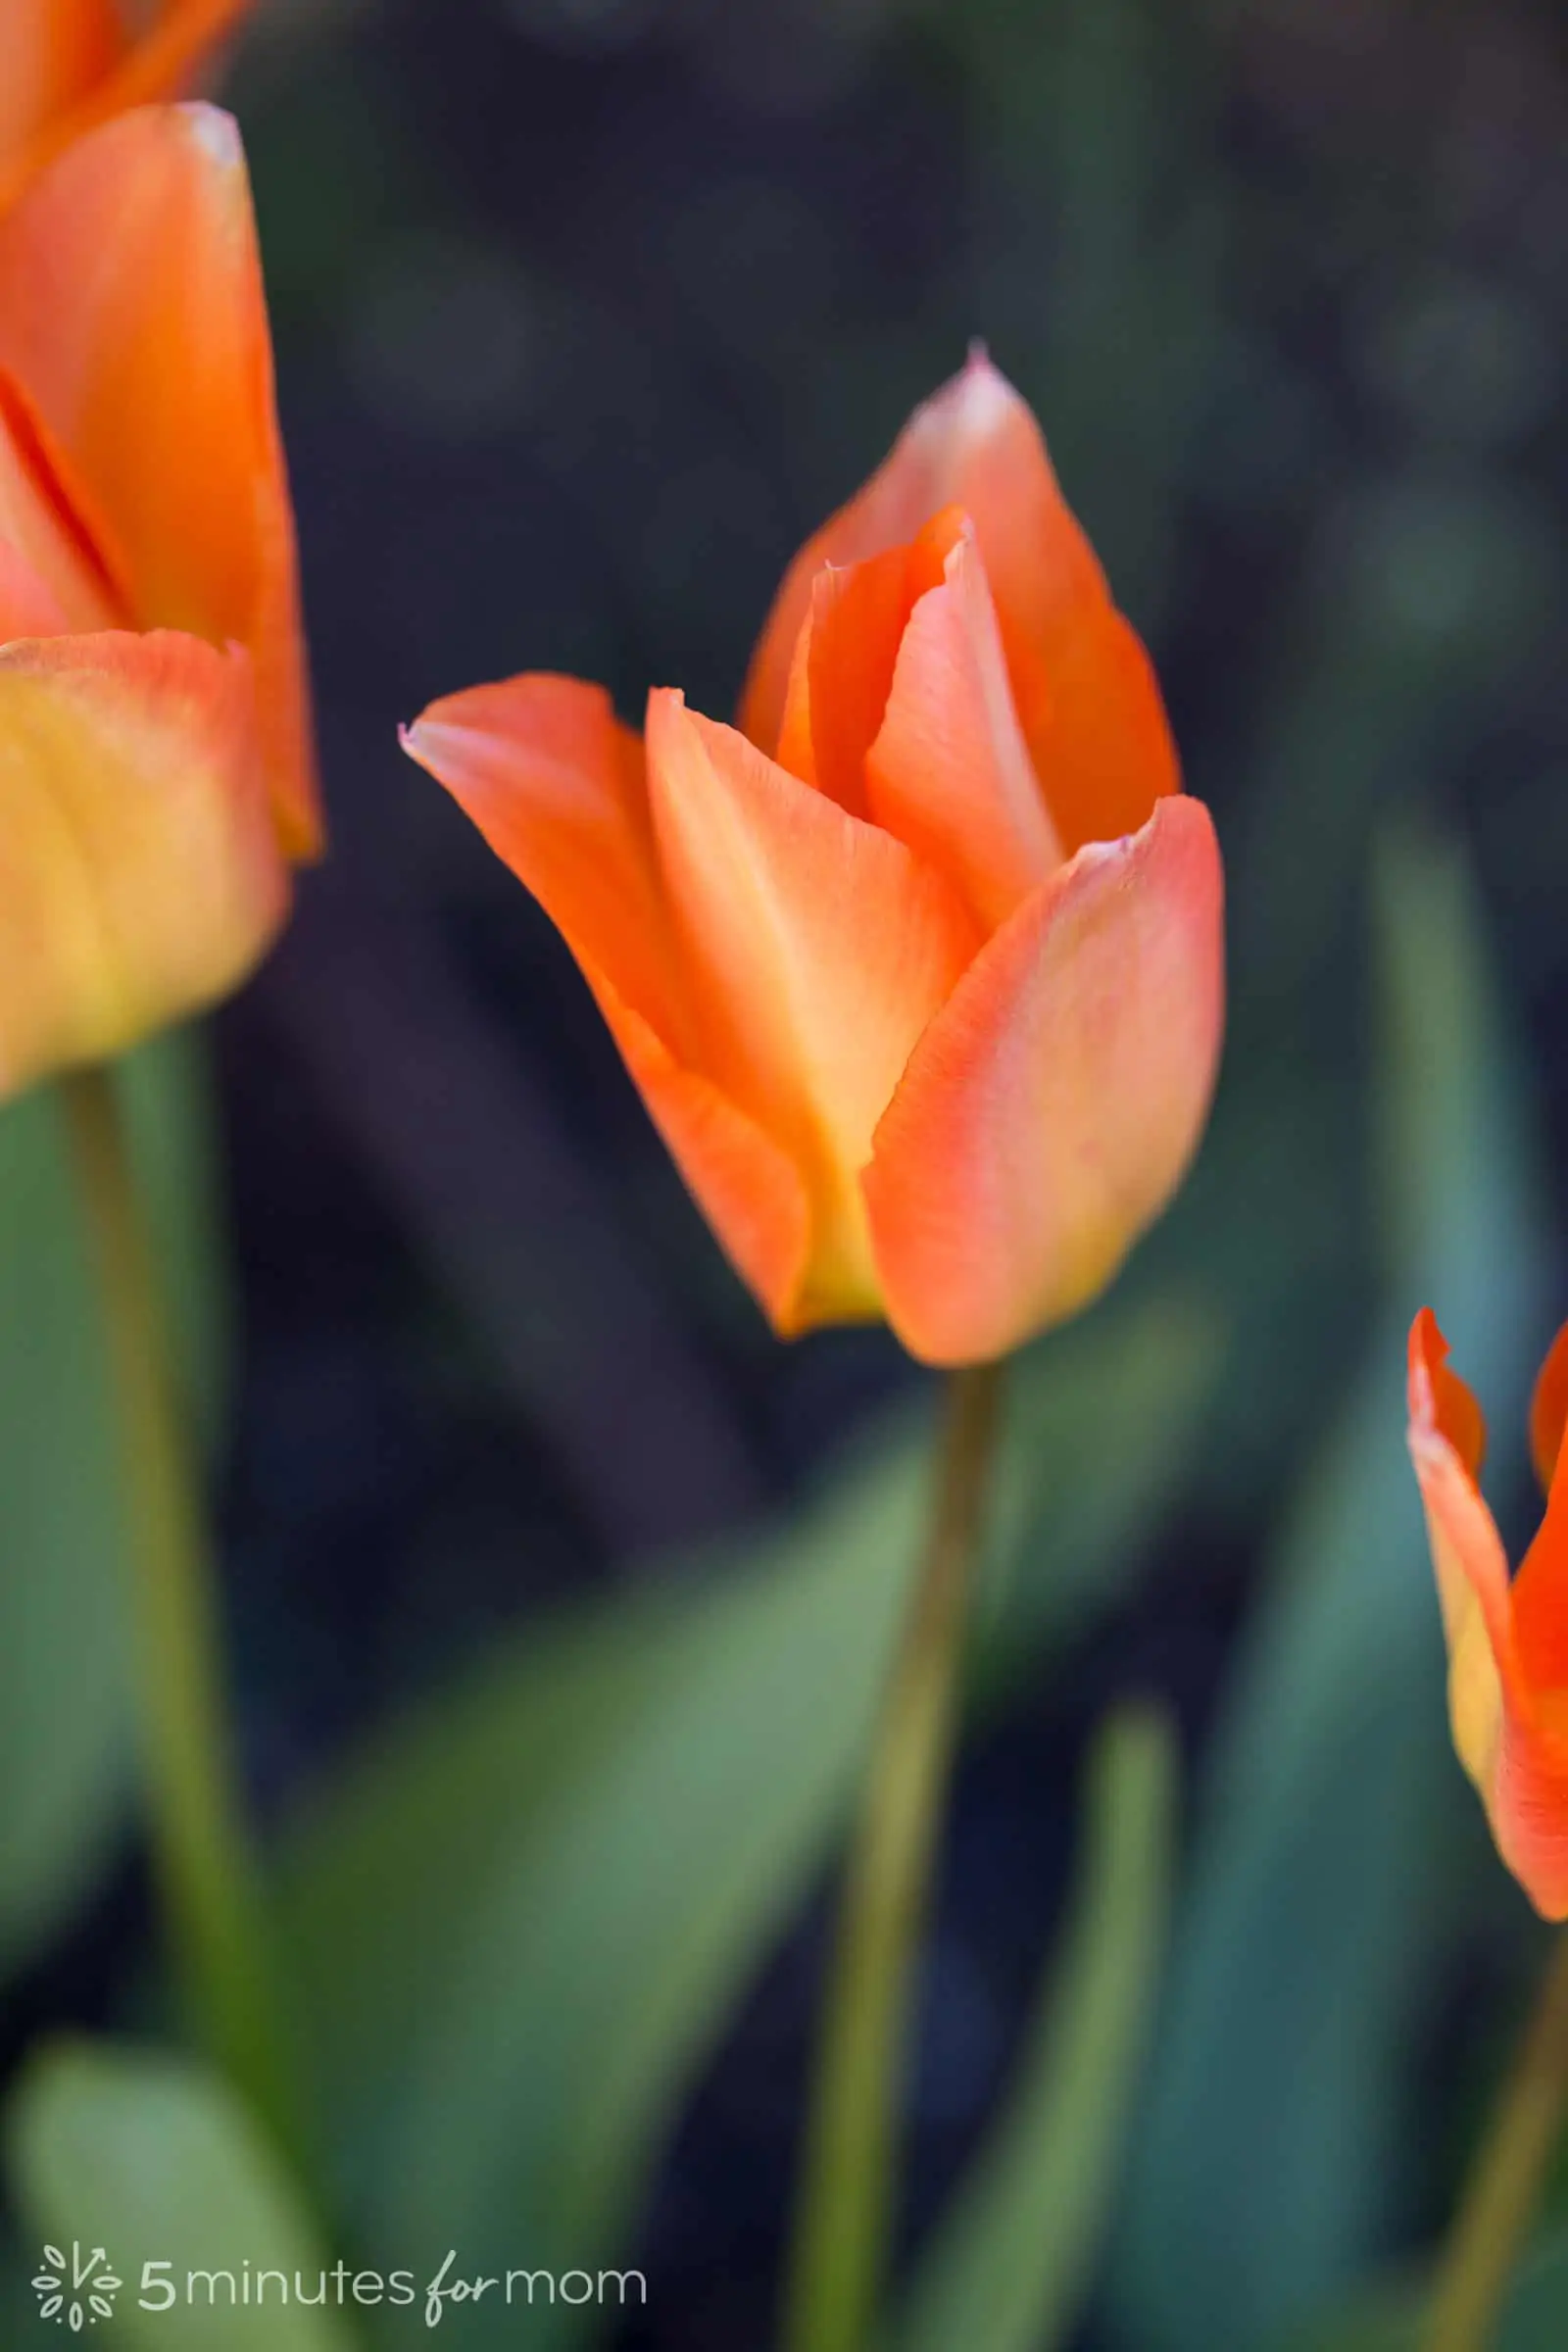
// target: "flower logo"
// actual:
[[76, 2293]]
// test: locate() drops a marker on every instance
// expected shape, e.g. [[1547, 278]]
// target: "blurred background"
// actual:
[[557, 1587]]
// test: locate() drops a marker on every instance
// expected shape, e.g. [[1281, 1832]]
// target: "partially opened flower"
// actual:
[[1507, 1640], [156, 771], [70, 65], [919, 970]]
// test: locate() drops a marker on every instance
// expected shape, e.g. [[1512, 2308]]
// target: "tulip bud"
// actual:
[[919, 971], [1507, 1640], [155, 761]]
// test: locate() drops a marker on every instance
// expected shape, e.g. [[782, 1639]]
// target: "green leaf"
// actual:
[[1334, 1825], [1389, 2320], [1009, 2267], [19, 2305], [65, 1698], [154, 2160], [522, 1920]]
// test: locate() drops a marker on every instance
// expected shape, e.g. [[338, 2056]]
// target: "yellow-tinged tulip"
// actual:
[[156, 772], [70, 65], [919, 971], [1507, 1638]]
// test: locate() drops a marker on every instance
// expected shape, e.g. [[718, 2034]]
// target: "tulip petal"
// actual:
[[103, 76], [29, 606], [155, 377], [1087, 698], [818, 949], [1541, 1588], [949, 772], [1516, 1757], [140, 877], [54, 559], [55, 52], [1548, 1410], [556, 785], [1447, 1439], [844, 661], [747, 1189], [1052, 1107]]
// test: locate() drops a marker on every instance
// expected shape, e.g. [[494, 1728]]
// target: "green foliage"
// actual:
[[1334, 1822], [1389, 2320], [523, 1919], [65, 1705], [1008, 2269], [154, 2160]]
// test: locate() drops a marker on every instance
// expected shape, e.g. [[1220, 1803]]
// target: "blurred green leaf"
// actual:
[[1389, 2320], [156, 2161], [19, 2306], [65, 1705], [1009, 2267], [168, 1092], [525, 1916], [1333, 1819]]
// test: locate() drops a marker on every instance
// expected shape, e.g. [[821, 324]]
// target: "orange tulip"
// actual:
[[156, 771], [70, 65], [1507, 1640], [919, 971]]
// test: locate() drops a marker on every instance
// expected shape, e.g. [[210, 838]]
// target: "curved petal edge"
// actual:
[[1052, 1107]]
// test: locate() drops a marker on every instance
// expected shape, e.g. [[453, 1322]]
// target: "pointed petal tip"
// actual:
[[216, 131], [974, 402]]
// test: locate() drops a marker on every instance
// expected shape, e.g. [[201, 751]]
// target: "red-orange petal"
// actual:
[[56, 52], [818, 949], [29, 606], [1548, 1410], [1541, 1588], [949, 772], [141, 876], [1087, 698], [1507, 1730], [556, 784], [842, 671], [155, 377], [1052, 1107], [49, 533], [108, 75], [746, 1186]]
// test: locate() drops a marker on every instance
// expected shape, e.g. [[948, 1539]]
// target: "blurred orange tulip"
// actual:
[[70, 65], [920, 972], [156, 771], [1507, 1640]]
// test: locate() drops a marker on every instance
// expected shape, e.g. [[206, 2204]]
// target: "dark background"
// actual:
[[587, 310]]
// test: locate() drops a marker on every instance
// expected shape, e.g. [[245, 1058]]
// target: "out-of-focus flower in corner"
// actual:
[[919, 971], [156, 768], [1507, 1638], [70, 65]]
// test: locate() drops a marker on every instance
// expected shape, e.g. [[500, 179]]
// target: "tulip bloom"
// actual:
[[156, 771], [919, 970], [70, 65], [1507, 1640]]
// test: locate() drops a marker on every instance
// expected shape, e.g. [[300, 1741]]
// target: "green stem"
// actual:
[[1504, 2186], [207, 1878], [848, 2180]]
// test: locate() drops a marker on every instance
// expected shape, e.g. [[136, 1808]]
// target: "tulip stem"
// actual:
[[207, 1878], [849, 2177], [1504, 2186]]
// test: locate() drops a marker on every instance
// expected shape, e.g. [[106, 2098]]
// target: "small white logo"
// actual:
[[76, 2293]]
